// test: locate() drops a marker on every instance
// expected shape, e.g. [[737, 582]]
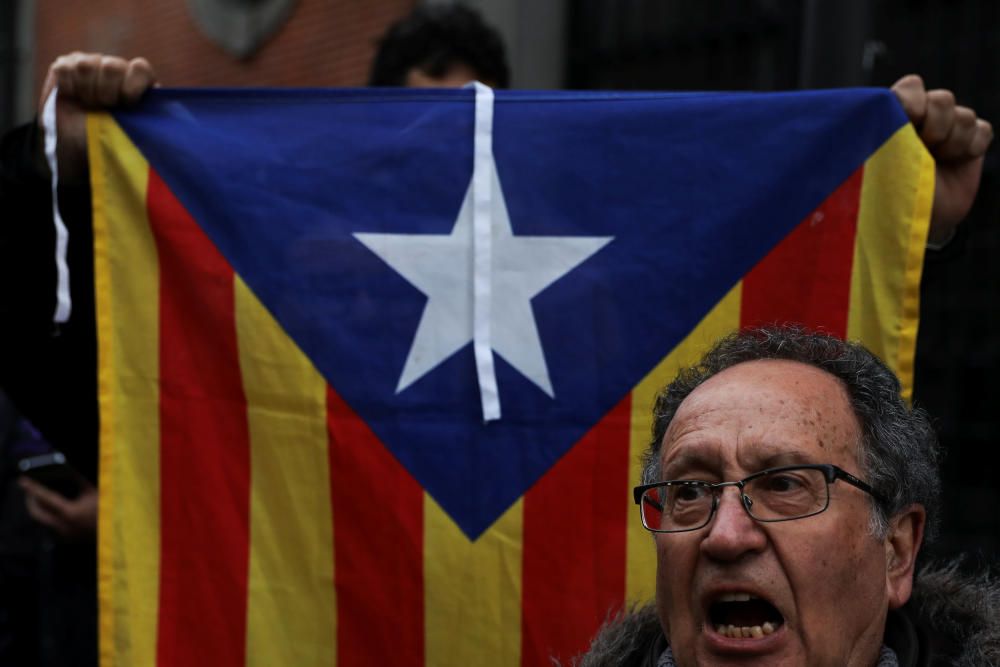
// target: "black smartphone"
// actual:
[[52, 471]]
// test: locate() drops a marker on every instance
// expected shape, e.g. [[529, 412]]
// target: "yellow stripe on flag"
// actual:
[[128, 391], [291, 606], [894, 215], [724, 318], [472, 599]]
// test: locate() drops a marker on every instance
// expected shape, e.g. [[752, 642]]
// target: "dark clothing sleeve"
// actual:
[[49, 371]]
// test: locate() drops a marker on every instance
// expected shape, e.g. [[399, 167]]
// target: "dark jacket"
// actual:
[[49, 372], [952, 619]]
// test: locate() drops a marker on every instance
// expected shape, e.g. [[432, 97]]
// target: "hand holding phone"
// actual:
[[53, 472], [72, 519], [59, 497]]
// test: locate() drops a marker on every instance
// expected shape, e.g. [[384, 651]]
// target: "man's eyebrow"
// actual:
[[785, 458], [703, 462], [687, 461]]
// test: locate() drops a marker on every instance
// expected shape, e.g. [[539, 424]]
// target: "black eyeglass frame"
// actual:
[[830, 472]]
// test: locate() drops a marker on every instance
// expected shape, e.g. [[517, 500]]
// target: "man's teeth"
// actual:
[[734, 597], [746, 632]]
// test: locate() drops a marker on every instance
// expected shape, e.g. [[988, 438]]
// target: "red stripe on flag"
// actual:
[[806, 278], [204, 450], [574, 543], [378, 540]]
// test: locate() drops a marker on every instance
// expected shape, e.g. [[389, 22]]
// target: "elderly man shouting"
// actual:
[[789, 488]]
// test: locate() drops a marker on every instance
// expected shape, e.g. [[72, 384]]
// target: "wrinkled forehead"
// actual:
[[766, 412]]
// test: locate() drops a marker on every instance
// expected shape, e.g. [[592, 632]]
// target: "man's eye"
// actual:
[[783, 484], [689, 494]]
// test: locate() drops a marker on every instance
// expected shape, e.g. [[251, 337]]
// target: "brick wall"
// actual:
[[323, 43]]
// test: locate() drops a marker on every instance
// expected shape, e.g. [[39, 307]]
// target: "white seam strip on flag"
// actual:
[[482, 252], [63, 305]]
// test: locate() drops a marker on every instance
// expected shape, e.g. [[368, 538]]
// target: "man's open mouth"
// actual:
[[741, 615]]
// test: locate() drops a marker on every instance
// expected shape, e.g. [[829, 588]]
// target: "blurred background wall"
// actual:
[[629, 44]]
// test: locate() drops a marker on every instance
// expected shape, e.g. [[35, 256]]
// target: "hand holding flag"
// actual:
[[89, 81], [958, 141]]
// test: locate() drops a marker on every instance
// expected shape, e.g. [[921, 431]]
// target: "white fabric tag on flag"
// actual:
[[482, 252], [63, 304]]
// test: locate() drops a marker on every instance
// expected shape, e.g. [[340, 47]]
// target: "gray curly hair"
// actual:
[[899, 451]]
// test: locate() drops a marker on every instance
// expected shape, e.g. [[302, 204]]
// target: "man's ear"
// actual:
[[906, 532]]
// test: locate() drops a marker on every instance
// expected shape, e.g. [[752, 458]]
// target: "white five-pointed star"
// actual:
[[441, 266]]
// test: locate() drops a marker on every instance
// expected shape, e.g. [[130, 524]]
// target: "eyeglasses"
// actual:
[[775, 494]]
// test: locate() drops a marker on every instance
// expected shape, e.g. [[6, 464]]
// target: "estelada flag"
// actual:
[[376, 366]]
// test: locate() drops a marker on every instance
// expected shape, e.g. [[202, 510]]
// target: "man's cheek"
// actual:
[[674, 606]]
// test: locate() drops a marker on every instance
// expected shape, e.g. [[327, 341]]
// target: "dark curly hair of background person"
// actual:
[[435, 38]]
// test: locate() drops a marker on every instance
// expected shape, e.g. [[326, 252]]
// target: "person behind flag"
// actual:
[[789, 489], [440, 46]]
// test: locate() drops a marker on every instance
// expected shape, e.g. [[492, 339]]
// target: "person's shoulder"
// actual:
[[632, 638]]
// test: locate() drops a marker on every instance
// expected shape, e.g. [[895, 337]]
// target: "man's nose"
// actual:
[[732, 532]]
